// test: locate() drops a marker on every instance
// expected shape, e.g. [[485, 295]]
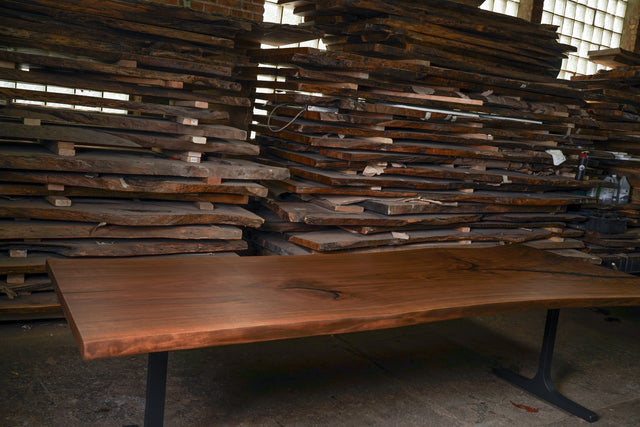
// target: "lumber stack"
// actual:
[[387, 153], [614, 57], [449, 34], [123, 132], [426, 121], [612, 233], [612, 229], [613, 100]]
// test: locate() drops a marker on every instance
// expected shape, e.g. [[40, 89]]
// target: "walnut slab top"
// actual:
[[129, 306]]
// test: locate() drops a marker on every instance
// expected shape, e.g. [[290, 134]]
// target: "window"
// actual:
[[63, 90], [506, 7], [279, 14], [587, 25]]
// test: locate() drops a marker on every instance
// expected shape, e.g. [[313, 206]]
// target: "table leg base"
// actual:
[[541, 384], [547, 392]]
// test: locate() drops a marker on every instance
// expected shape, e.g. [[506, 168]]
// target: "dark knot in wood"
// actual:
[[328, 292]]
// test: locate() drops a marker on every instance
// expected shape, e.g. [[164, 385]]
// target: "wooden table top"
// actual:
[[130, 306]]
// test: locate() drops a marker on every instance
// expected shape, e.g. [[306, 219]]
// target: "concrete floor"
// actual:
[[437, 374]]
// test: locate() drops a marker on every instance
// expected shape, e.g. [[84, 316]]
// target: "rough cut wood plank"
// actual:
[[301, 186], [337, 178], [99, 137], [305, 56], [317, 215], [615, 57], [345, 149], [37, 190], [141, 213], [274, 244], [37, 229], [149, 13], [70, 116], [578, 255], [250, 299], [496, 197], [33, 157], [477, 225], [133, 247], [462, 244], [133, 106], [547, 244], [121, 131], [243, 169], [161, 92], [309, 159], [115, 70], [123, 25], [26, 285], [418, 205], [134, 183], [39, 305], [496, 177], [335, 240], [27, 265]]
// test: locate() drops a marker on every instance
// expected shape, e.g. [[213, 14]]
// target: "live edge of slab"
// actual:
[[130, 306]]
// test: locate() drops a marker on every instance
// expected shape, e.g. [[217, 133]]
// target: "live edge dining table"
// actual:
[[118, 307]]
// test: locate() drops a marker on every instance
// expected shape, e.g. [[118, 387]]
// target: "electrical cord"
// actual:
[[272, 129]]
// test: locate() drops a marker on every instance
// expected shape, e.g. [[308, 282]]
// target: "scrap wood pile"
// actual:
[[123, 132], [389, 152], [612, 229]]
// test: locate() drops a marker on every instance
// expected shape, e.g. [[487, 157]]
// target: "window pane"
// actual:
[[506, 7], [590, 24]]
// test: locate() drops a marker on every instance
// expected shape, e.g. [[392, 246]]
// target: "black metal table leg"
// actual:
[[156, 388], [541, 384]]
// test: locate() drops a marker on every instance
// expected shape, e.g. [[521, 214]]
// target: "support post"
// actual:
[[630, 39], [156, 389], [531, 10], [541, 384]]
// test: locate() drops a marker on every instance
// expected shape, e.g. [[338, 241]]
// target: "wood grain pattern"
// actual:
[[37, 229], [122, 307], [128, 247], [136, 115], [129, 213], [35, 158]]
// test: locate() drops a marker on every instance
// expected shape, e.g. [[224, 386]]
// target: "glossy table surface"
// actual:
[[130, 306]]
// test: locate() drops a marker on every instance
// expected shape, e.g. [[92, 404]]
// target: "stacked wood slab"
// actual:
[[388, 153], [613, 98], [163, 170], [449, 34]]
